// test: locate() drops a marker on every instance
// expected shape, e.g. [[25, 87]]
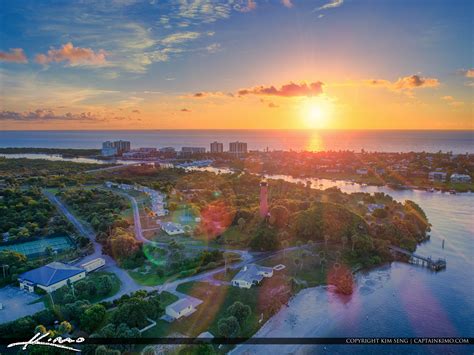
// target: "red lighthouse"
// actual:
[[263, 199]]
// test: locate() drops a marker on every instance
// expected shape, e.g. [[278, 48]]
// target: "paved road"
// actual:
[[244, 254], [128, 283]]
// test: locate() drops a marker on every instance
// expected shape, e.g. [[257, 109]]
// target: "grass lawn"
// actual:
[[226, 276]]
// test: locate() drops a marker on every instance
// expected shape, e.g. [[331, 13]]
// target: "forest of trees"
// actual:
[[27, 213]]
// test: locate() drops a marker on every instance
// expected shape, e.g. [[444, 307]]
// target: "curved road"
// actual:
[[129, 285]]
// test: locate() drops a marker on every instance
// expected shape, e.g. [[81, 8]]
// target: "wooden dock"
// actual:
[[435, 265]]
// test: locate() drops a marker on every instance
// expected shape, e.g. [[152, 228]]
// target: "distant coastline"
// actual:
[[457, 141]]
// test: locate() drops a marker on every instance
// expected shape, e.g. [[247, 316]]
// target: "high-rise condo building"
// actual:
[[238, 148], [217, 147]]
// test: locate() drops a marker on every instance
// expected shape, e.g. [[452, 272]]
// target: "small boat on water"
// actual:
[[430, 190], [452, 192]]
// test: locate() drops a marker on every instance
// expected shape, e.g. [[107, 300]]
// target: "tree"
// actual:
[[264, 240], [344, 241], [40, 329], [279, 216], [65, 327], [240, 311], [354, 239], [326, 238], [228, 327], [104, 285], [92, 317], [241, 222]]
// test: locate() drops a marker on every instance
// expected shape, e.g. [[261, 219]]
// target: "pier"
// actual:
[[435, 265]]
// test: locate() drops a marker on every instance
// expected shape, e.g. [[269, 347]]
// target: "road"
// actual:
[[129, 285]]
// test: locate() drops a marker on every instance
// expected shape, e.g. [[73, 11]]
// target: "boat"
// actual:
[[431, 190], [452, 192]]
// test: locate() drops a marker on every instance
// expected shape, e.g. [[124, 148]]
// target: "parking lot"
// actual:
[[15, 304]]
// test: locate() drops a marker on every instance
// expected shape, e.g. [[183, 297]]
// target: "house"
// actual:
[[93, 264], [172, 228], [437, 176], [374, 206], [362, 171], [460, 178], [251, 274], [182, 307], [50, 277]]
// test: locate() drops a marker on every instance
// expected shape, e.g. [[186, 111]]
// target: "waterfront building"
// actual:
[[437, 176], [110, 149], [217, 147], [238, 148], [186, 151], [250, 275], [460, 178], [362, 171]]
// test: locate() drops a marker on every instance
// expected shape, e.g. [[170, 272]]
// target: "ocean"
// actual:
[[459, 142]]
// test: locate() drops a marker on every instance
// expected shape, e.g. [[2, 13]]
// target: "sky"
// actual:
[[236, 64]]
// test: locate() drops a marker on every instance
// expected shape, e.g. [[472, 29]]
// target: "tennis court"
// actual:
[[38, 247]]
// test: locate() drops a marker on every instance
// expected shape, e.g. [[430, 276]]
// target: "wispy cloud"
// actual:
[[245, 5], [50, 115], [73, 56], [15, 55], [452, 101], [330, 5], [287, 3], [287, 90]]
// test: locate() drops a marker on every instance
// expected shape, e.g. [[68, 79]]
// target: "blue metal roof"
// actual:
[[51, 274]]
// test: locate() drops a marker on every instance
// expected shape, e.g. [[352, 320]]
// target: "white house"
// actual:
[[437, 176], [251, 274], [93, 264], [50, 277], [460, 178], [172, 228], [362, 171], [182, 307]]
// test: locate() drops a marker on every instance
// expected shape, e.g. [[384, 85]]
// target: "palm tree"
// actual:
[[338, 255], [323, 263], [297, 262], [285, 245], [344, 241], [322, 255], [326, 238], [354, 239]]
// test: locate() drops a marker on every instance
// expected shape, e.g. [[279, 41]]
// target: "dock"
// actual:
[[435, 265]]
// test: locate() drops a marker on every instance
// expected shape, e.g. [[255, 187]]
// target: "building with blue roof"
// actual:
[[50, 277]]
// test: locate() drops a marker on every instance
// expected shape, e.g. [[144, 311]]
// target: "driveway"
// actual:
[[16, 304]]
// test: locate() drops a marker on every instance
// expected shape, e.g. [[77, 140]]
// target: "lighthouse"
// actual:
[[263, 199]]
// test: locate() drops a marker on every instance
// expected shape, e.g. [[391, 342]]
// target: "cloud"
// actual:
[[185, 110], [287, 90], [73, 55], [452, 101], [272, 105], [406, 83], [16, 55], [287, 3], [203, 94], [330, 5], [415, 81], [245, 5], [180, 37], [213, 48], [469, 73], [50, 115]]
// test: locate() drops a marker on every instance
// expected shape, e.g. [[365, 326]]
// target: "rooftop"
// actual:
[[51, 273]]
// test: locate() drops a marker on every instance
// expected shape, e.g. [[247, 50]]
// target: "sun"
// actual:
[[315, 115]]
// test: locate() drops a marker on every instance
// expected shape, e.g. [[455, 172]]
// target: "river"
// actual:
[[396, 300]]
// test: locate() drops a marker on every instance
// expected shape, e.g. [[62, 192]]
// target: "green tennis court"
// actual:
[[38, 247]]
